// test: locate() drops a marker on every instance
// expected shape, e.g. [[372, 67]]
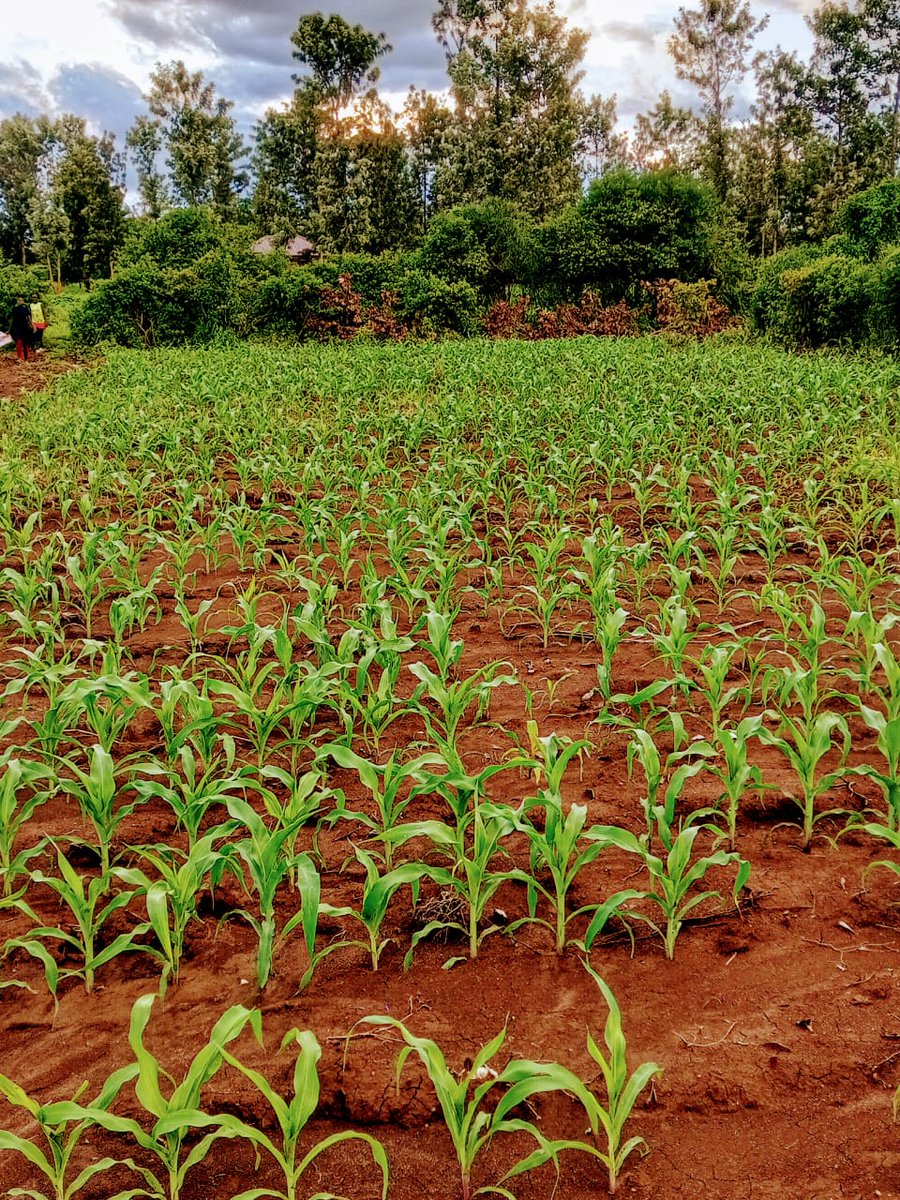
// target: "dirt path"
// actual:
[[18, 378]]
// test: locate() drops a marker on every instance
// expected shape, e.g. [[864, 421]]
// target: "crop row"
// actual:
[[479, 1105]]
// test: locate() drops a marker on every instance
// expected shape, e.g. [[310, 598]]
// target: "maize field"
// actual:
[[388, 733]]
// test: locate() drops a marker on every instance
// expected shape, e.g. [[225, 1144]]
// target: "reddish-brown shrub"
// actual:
[[341, 311], [688, 309], [589, 316], [505, 320], [383, 320]]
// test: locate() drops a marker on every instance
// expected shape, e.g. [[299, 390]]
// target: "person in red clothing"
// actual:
[[22, 330]]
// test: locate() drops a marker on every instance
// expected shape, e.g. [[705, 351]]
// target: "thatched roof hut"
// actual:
[[299, 249]]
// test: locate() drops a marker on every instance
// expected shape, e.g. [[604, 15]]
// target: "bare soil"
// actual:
[[18, 378]]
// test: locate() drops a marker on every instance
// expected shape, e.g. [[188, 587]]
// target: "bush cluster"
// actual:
[[843, 292], [190, 278]]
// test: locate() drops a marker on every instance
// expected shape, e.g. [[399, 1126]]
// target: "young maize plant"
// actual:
[[674, 877], [609, 631], [16, 810], [471, 1122], [440, 644], [96, 791], [176, 1117], [887, 744], [172, 900], [563, 847], [194, 623], [87, 916], [737, 776], [86, 570], [292, 1116], [38, 669], [714, 668], [195, 790], [672, 639], [453, 700], [863, 627], [643, 749], [471, 847], [295, 800], [805, 744], [378, 891], [607, 1121], [295, 699], [268, 867], [188, 717], [62, 1127], [32, 588], [461, 791], [601, 579], [548, 597], [388, 785]]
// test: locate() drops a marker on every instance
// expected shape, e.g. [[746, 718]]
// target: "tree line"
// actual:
[[339, 165]]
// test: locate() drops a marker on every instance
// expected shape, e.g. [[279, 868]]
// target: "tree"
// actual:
[[710, 47], [202, 145], [23, 142], [340, 59], [602, 149], [838, 89], [881, 19], [365, 198], [427, 124], [51, 233], [287, 141], [145, 140], [88, 186], [333, 162], [666, 136], [771, 196], [841, 74], [514, 69]]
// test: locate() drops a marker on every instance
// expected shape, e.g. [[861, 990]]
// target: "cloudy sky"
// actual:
[[93, 57]]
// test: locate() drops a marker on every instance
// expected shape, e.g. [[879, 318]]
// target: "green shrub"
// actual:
[[284, 303], [432, 306], [629, 228], [371, 274], [769, 307], [483, 245], [886, 300], [178, 239], [147, 305], [828, 302], [871, 219]]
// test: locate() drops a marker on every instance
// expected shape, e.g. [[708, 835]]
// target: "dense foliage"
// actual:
[[843, 291], [190, 276], [516, 184]]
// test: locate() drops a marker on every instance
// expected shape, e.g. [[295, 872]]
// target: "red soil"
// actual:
[[777, 1027]]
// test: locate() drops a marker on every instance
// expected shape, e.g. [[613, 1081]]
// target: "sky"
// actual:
[[94, 57]]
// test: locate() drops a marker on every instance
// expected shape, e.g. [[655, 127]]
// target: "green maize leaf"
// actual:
[[378, 1154], [11, 1141]]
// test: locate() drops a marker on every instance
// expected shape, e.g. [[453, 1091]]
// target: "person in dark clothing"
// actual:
[[22, 330]]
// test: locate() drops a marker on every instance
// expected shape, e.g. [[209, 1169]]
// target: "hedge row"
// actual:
[[187, 278]]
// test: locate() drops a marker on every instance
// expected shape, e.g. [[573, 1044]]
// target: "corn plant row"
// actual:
[[478, 1106], [471, 854]]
